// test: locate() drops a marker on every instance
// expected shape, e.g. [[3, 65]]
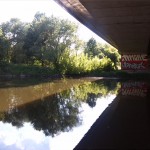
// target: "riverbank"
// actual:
[[26, 71]]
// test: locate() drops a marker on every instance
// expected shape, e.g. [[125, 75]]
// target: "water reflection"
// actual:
[[54, 114], [134, 88], [126, 124]]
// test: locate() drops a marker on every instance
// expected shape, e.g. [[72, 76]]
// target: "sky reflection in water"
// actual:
[[26, 137]]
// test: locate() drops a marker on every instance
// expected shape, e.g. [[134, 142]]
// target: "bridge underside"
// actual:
[[125, 24]]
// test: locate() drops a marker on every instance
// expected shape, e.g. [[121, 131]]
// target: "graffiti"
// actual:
[[134, 88], [134, 62], [127, 65], [131, 84], [134, 92], [134, 58]]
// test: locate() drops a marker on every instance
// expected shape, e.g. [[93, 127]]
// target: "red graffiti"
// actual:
[[134, 88], [134, 62]]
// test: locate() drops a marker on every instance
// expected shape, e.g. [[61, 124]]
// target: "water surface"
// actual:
[[51, 115], [126, 123]]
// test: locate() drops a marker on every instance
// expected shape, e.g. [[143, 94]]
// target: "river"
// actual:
[[55, 114]]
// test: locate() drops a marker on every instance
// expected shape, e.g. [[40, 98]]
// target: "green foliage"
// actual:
[[91, 48], [14, 32], [48, 37], [4, 46], [53, 42], [111, 53], [82, 64], [29, 70]]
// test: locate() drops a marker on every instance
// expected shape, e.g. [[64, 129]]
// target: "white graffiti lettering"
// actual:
[[127, 65], [134, 92], [133, 84], [133, 58]]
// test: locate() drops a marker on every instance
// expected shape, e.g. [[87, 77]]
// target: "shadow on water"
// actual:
[[126, 123], [26, 94], [58, 112]]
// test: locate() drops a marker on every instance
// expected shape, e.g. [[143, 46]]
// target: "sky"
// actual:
[[26, 9], [27, 138]]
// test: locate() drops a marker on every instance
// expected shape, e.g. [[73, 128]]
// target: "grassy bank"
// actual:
[[38, 71], [25, 70]]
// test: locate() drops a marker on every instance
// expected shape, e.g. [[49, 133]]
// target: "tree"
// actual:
[[4, 46], [97, 49], [15, 31], [91, 99], [62, 38], [91, 48], [48, 37], [112, 53]]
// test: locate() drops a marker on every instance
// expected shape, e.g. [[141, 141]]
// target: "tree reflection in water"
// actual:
[[60, 112]]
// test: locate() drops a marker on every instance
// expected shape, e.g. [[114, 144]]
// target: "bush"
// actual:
[[82, 64], [15, 69], [3, 67]]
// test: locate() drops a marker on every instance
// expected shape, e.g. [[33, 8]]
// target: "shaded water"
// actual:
[[51, 114], [126, 123]]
